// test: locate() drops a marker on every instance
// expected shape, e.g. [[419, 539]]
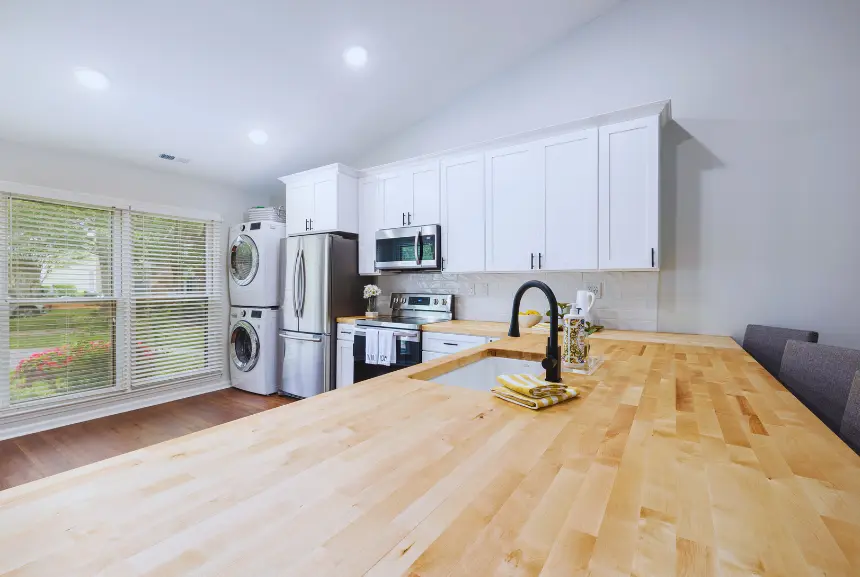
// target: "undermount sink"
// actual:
[[481, 374]]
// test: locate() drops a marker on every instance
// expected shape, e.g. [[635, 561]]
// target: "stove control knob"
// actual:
[[444, 302], [435, 301]]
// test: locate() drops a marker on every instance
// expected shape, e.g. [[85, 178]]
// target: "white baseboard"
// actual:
[[53, 417]]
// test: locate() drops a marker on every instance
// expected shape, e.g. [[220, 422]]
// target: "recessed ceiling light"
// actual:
[[258, 137], [92, 79], [355, 56]]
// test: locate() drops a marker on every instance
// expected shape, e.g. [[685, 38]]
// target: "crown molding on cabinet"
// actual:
[[662, 108]]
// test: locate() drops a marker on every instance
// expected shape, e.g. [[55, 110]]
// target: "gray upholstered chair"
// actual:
[[850, 429], [766, 344], [820, 376]]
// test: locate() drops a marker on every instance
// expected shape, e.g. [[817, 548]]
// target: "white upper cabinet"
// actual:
[[299, 206], [321, 200], [570, 190], [369, 221], [514, 209], [463, 234], [411, 195], [424, 184], [396, 198], [629, 184]]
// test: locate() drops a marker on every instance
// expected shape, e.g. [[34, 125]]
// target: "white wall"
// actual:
[[761, 191], [87, 174]]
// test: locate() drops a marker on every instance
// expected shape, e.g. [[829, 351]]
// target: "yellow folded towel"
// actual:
[[531, 385], [507, 394]]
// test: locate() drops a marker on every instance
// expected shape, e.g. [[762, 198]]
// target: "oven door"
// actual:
[[409, 248], [408, 347]]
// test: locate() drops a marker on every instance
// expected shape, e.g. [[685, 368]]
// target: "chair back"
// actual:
[[766, 344], [820, 376], [850, 429]]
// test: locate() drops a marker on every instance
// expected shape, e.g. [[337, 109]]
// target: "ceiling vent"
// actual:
[[165, 156]]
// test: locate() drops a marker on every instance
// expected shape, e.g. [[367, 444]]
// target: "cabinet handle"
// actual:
[[306, 224], [312, 224], [652, 258], [540, 259], [450, 344], [532, 260], [408, 218], [403, 219]]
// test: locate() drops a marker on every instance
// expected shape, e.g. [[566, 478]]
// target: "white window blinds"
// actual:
[[101, 300], [60, 298], [175, 315]]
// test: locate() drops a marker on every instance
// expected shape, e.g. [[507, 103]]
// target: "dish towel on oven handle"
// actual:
[[371, 346], [386, 352]]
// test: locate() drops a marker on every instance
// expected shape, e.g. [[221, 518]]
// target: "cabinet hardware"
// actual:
[[306, 224], [540, 260], [312, 224], [408, 218], [533, 260], [403, 218], [652, 258], [450, 344]]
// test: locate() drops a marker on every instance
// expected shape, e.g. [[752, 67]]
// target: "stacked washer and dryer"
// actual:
[[253, 263]]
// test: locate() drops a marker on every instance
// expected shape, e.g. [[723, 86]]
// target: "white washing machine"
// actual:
[[252, 260], [254, 349]]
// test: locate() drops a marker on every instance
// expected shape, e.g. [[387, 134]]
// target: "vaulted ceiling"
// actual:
[[193, 77]]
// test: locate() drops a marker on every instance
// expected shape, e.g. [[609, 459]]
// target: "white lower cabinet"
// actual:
[[344, 370], [430, 355], [435, 345]]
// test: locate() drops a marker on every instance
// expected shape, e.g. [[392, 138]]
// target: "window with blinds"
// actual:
[[175, 299], [100, 300]]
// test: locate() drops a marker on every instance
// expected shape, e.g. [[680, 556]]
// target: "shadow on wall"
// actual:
[[681, 194]]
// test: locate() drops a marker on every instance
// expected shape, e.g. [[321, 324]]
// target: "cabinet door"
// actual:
[[396, 198], [424, 181], [628, 181], [430, 355], [300, 207], [463, 212], [515, 208], [345, 364], [369, 221], [325, 204], [570, 185]]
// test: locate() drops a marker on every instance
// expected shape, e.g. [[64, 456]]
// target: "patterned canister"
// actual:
[[574, 350]]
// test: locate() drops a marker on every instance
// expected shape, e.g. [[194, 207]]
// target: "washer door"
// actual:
[[244, 346], [244, 260]]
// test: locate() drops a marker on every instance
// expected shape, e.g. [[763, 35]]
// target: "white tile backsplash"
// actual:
[[629, 298]]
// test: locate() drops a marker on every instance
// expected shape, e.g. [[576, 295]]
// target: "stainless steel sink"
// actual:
[[481, 374]]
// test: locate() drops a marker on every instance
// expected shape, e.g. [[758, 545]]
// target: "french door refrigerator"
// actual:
[[320, 282]]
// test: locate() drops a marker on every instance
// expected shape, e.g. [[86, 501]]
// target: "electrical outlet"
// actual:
[[470, 289], [595, 288]]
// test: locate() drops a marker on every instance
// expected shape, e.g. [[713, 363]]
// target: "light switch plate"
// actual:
[[595, 288]]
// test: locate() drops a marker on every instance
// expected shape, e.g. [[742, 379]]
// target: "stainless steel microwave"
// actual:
[[409, 248]]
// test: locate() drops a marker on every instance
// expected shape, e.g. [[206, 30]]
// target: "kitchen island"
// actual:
[[679, 458]]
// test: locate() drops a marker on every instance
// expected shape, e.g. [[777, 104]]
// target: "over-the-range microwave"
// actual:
[[409, 248]]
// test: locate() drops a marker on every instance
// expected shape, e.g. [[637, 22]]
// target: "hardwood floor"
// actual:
[[31, 457]]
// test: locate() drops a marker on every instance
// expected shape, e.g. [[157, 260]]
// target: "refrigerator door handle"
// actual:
[[301, 337], [303, 282], [296, 283]]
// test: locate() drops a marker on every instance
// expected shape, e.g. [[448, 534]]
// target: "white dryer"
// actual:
[[254, 349], [252, 262]]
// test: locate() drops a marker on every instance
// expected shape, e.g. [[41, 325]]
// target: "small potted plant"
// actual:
[[371, 292]]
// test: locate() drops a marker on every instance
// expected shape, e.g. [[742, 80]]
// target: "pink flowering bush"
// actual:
[[50, 365]]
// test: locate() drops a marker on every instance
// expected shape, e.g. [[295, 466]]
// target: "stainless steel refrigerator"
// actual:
[[319, 282]]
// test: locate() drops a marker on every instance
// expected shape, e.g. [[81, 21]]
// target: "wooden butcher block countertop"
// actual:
[[677, 459]]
